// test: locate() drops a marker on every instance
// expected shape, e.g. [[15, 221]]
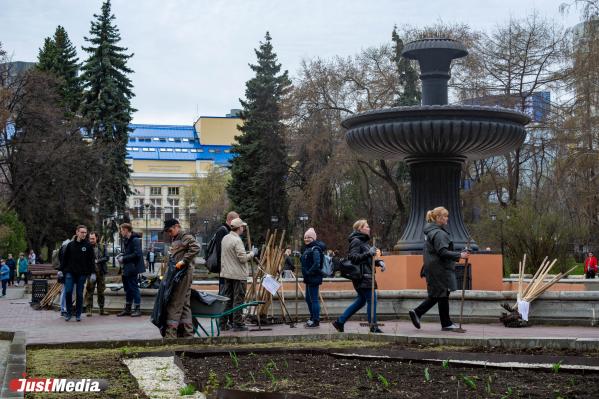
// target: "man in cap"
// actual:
[[183, 250], [234, 270]]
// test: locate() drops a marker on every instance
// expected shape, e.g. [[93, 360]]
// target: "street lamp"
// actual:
[[206, 221], [147, 208], [494, 219], [274, 220], [303, 218], [192, 215]]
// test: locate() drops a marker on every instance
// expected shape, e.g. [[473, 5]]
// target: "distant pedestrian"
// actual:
[[22, 268], [439, 269], [151, 258], [12, 265], [132, 260], [312, 259], [235, 271], [361, 254], [77, 264], [590, 266], [289, 268], [4, 276], [31, 258]]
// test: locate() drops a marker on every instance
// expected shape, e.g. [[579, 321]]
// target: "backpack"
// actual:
[[350, 271], [57, 254], [211, 256], [326, 264]]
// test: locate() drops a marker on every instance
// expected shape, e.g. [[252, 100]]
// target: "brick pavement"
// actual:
[[46, 326]]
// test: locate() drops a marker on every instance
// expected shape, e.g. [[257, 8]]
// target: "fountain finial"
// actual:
[[434, 57]]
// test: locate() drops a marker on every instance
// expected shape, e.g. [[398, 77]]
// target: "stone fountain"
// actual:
[[435, 139]]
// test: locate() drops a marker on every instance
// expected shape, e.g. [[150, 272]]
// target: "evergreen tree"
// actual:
[[259, 170], [107, 109], [59, 56], [408, 92]]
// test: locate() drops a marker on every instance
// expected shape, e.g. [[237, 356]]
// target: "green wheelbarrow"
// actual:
[[214, 313]]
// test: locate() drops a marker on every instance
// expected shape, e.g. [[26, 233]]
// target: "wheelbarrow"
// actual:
[[214, 312]]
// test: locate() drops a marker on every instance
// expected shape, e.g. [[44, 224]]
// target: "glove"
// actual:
[[254, 252], [59, 275], [372, 251], [180, 265], [382, 265], [92, 278]]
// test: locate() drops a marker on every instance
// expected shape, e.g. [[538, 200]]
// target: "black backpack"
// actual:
[[211, 256], [350, 271]]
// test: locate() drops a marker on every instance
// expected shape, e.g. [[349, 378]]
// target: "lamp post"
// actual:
[[494, 219], [147, 208], [303, 218], [274, 220], [192, 215]]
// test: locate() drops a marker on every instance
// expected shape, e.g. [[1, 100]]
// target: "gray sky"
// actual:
[[191, 56]]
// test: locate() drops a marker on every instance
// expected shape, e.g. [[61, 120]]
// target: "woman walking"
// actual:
[[311, 261], [439, 269], [22, 268], [361, 254]]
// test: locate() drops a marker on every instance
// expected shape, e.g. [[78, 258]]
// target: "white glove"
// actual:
[[382, 265], [59, 275], [92, 278], [254, 252]]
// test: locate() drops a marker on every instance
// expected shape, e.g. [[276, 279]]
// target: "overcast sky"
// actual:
[[191, 56]]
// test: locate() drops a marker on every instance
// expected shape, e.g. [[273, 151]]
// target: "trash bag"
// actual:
[[172, 277]]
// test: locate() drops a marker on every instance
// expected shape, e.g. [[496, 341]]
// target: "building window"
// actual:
[[156, 139], [185, 140], [192, 150], [155, 190], [162, 140], [156, 208], [171, 139], [177, 150], [173, 191], [227, 151], [173, 204]]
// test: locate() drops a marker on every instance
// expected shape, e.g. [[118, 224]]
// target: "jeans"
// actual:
[[313, 301], [63, 300], [364, 297], [131, 287], [22, 276], [4, 284], [70, 280], [443, 305], [151, 267]]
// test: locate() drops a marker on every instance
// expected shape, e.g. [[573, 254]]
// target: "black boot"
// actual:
[[126, 311], [136, 311]]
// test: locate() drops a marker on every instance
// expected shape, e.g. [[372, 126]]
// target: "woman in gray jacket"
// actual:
[[439, 268]]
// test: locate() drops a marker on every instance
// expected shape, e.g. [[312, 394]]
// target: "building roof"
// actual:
[[173, 143]]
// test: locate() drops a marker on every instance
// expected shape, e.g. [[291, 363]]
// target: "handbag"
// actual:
[[350, 271]]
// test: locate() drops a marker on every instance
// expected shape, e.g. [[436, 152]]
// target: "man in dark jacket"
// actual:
[[132, 260], [184, 248], [101, 259], [77, 264], [12, 265]]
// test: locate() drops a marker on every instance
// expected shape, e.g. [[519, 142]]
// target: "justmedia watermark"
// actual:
[[82, 385]]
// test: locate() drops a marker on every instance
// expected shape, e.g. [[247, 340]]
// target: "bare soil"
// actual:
[[318, 375]]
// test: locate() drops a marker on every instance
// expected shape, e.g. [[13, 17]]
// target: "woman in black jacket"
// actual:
[[360, 253], [439, 268]]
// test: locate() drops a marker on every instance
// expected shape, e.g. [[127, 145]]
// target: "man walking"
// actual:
[[235, 271], [184, 248], [101, 259], [132, 260], [151, 258], [77, 264]]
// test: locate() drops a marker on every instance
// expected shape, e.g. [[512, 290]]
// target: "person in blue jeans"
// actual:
[[360, 253], [4, 276], [311, 261], [77, 264]]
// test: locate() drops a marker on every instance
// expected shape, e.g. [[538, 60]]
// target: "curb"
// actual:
[[16, 363]]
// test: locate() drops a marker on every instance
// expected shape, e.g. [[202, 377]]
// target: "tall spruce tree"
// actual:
[[59, 56], [259, 171], [107, 109], [408, 92]]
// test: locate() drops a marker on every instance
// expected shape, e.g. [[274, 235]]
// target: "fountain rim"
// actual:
[[436, 111]]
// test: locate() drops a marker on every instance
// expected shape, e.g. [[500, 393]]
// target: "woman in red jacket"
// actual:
[[590, 266]]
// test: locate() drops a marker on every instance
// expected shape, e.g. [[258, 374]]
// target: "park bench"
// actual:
[[42, 270]]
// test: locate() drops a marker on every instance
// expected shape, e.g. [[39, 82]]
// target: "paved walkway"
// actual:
[[46, 326]]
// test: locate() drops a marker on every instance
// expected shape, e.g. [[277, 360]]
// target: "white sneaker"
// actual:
[[452, 327]]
